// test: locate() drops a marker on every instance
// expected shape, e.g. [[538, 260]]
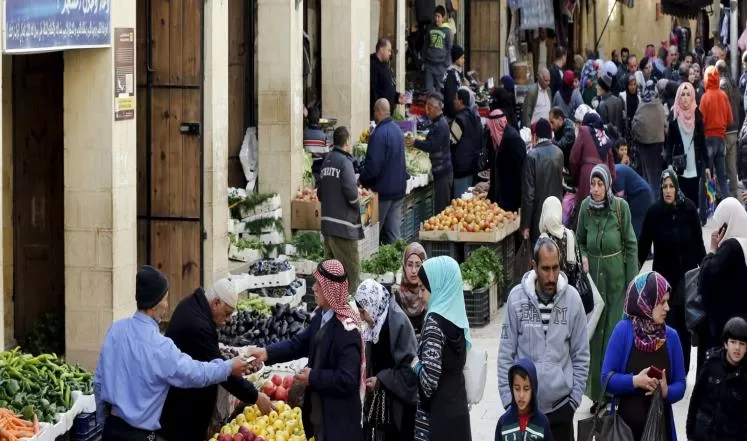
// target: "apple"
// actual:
[[225, 437], [238, 437], [288, 382], [269, 389], [281, 393], [277, 380]]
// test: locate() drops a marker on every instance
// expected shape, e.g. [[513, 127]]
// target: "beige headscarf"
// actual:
[[731, 212], [408, 295], [551, 223]]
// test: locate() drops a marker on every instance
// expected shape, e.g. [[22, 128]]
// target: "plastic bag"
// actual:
[[475, 374], [592, 318], [249, 158], [656, 421], [523, 260]]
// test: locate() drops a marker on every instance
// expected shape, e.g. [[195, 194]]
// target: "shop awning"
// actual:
[[683, 8]]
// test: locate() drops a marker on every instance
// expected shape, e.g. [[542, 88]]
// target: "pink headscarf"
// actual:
[[497, 123], [685, 114]]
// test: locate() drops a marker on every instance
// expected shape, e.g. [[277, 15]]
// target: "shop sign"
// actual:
[[124, 74], [46, 25]]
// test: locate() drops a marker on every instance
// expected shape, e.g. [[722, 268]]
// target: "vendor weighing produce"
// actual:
[[137, 365], [194, 329]]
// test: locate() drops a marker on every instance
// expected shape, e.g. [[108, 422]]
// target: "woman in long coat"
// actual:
[[609, 252]]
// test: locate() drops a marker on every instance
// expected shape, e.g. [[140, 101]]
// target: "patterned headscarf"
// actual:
[[335, 292], [594, 122], [679, 197], [685, 114], [374, 299], [648, 92], [408, 295], [644, 293], [497, 123], [602, 172]]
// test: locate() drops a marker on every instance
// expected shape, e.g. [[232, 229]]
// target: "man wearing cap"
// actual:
[[543, 177], [137, 365], [194, 329], [453, 81], [610, 106], [335, 375]]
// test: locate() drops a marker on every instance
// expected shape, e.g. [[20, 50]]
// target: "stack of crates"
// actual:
[[436, 248], [85, 428], [410, 226], [477, 304], [509, 264]]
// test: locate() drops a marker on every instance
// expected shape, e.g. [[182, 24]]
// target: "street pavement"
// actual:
[[484, 415]]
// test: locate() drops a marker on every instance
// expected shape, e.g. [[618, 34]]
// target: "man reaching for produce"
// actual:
[[137, 365], [335, 376], [194, 329]]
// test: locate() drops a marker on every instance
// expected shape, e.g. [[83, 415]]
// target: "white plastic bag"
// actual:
[[249, 158], [475, 374], [592, 318]]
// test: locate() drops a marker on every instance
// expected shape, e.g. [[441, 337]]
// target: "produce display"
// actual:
[[481, 267], [277, 387], [283, 424], [418, 162], [276, 292], [39, 386], [309, 246], [359, 150], [387, 259], [254, 305], [363, 139], [253, 328], [267, 267], [13, 427], [473, 216]]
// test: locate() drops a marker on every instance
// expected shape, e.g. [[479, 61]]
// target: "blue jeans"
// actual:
[[461, 185], [390, 218], [716, 148]]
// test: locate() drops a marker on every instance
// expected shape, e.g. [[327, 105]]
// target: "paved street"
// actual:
[[485, 415]]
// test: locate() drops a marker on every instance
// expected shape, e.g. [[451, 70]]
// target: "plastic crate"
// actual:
[[96, 435], [437, 248], [84, 426], [477, 304], [410, 226], [509, 265]]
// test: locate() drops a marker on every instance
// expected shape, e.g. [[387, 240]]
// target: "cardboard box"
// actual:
[[306, 215]]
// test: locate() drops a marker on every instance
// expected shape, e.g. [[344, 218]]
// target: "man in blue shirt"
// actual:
[[137, 365]]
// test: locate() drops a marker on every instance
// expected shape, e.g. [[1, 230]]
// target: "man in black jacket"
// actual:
[[466, 142], [194, 329], [564, 131], [453, 81], [543, 177], [438, 146], [382, 82], [384, 171], [341, 215]]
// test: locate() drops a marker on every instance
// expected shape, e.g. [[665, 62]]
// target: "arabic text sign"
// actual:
[[37, 25]]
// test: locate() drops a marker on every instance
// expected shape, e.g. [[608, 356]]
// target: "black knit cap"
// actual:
[[543, 129], [456, 52], [151, 287]]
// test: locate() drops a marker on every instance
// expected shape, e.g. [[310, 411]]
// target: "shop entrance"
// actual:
[[38, 207], [169, 146]]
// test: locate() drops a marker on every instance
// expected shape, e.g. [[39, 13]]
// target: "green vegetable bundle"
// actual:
[[255, 304], [40, 385], [387, 259], [481, 267], [309, 246]]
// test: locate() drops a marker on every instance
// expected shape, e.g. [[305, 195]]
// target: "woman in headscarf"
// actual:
[[408, 293], [335, 377], [592, 147], [389, 410], [722, 273], [685, 147], [504, 98], [442, 413], [505, 161], [648, 129], [641, 342], [551, 225], [609, 253], [630, 99], [589, 75], [567, 98], [673, 227]]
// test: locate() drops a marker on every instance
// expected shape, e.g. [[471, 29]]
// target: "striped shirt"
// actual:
[[545, 310]]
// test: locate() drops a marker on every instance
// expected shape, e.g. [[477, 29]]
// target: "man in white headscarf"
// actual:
[[194, 329]]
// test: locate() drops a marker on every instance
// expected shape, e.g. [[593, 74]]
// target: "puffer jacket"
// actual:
[[338, 194], [543, 177], [718, 403], [438, 147], [466, 141]]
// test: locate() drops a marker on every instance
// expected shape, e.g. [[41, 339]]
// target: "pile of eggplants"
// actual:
[[249, 328]]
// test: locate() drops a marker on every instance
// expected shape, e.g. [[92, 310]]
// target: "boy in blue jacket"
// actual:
[[523, 420]]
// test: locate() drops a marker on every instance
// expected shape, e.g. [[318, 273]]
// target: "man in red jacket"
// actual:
[[717, 115]]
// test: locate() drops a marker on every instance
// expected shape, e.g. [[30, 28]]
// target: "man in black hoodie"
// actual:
[[382, 82]]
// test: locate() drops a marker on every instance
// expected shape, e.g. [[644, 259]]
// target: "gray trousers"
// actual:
[[434, 77], [390, 220]]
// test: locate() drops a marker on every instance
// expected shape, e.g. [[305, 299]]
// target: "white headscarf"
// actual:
[[731, 212], [374, 299], [551, 223]]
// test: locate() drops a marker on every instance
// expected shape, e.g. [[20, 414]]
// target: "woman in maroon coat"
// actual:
[[592, 144]]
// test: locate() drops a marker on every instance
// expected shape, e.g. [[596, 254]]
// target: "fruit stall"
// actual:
[[467, 225], [43, 398]]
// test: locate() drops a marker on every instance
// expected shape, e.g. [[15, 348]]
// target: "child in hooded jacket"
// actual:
[[523, 421]]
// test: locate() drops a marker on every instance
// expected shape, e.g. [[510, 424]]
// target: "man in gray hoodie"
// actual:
[[546, 323]]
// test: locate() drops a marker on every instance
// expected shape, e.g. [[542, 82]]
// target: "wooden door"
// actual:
[[170, 67], [484, 47], [38, 207]]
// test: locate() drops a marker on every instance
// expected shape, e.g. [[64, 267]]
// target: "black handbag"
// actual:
[[694, 310], [582, 284], [679, 162], [602, 426]]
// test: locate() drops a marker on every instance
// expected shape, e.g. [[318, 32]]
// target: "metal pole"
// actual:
[[733, 36], [596, 46]]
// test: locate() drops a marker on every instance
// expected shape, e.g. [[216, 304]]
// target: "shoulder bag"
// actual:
[[694, 311], [603, 426]]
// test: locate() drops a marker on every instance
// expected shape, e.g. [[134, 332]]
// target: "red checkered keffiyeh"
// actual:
[[336, 293]]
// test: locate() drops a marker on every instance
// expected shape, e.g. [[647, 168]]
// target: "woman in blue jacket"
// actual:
[[639, 342]]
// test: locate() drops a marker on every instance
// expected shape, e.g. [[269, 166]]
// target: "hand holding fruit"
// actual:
[[238, 366], [264, 404], [303, 376]]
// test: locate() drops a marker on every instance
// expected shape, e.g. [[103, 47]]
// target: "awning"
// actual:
[[684, 8]]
